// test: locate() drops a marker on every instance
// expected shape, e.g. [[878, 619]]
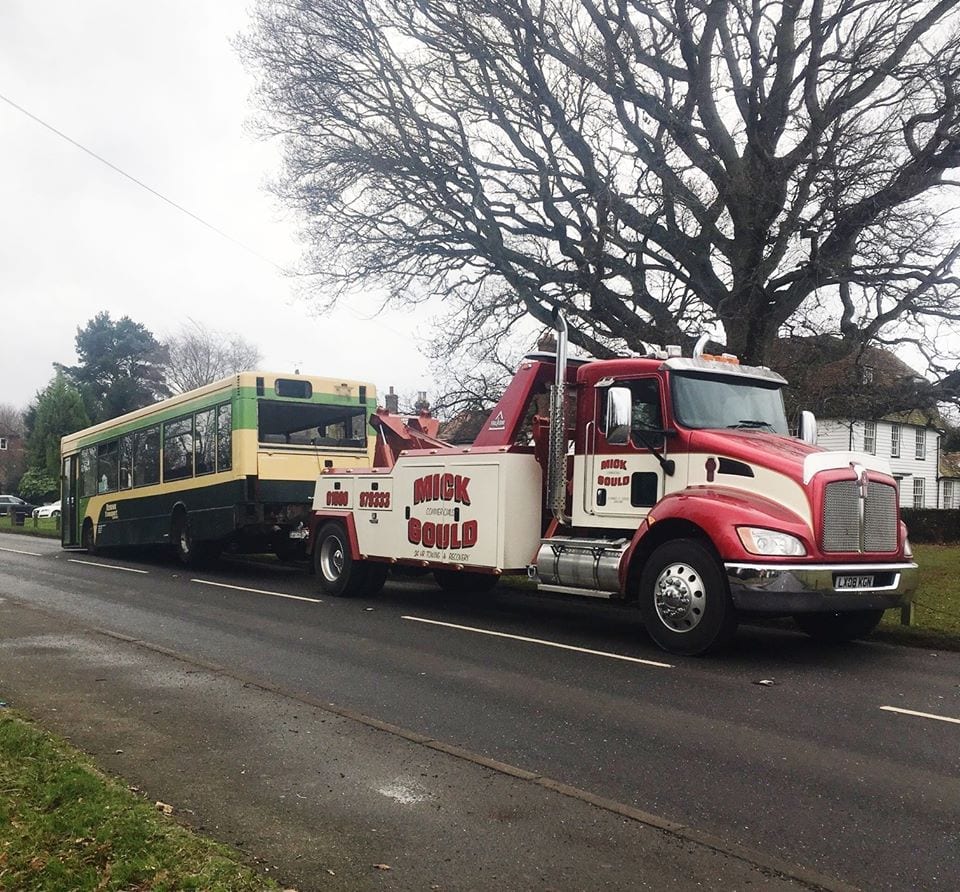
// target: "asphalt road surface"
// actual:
[[845, 761]]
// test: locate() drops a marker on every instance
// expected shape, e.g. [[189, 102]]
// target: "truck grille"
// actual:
[[841, 517]]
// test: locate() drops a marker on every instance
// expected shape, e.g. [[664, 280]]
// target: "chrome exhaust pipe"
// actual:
[[557, 455]]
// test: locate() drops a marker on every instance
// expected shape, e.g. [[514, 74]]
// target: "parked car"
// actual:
[[51, 510], [17, 504]]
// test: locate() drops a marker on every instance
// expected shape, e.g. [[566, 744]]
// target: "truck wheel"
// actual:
[[838, 628], [684, 599], [376, 577], [465, 582], [339, 574]]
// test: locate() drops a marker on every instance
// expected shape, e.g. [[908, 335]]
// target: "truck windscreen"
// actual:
[[724, 401]]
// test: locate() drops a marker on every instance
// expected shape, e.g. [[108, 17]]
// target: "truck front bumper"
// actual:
[[813, 588]]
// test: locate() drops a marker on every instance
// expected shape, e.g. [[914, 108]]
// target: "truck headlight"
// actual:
[[770, 542]]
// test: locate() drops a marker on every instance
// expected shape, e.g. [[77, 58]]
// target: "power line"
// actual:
[[140, 183], [176, 205]]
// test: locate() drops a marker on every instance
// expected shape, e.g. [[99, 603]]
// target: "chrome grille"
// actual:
[[880, 532], [841, 517]]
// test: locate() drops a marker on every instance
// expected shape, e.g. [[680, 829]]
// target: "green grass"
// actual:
[[63, 825], [45, 526], [936, 604]]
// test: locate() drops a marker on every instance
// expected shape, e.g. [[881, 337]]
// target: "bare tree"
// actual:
[[652, 167], [200, 355]]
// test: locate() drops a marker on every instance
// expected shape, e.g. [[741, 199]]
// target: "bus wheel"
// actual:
[[187, 549], [684, 599], [87, 539], [838, 628], [338, 573], [465, 582]]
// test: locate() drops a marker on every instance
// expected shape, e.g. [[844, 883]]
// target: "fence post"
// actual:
[[906, 614]]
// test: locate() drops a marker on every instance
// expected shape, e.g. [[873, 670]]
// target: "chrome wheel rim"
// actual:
[[331, 558], [679, 596]]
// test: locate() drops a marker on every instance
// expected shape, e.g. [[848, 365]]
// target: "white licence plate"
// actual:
[[854, 582]]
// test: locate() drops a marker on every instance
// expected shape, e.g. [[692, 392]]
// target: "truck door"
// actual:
[[626, 480]]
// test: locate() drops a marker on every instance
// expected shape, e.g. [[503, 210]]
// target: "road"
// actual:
[[848, 763]]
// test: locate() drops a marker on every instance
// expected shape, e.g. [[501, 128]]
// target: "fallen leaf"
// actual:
[[383, 867], [766, 682]]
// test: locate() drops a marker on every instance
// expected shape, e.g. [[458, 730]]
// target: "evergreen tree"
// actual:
[[58, 410], [121, 367]]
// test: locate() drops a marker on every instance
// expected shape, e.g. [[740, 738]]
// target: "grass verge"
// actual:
[[41, 526], [64, 825], [936, 603]]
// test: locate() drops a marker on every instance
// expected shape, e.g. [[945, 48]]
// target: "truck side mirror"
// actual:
[[807, 430], [617, 426]]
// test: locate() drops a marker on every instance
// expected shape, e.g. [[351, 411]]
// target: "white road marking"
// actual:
[[922, 715], [582, 650], [17, 551], [257, 591], [107, 566]]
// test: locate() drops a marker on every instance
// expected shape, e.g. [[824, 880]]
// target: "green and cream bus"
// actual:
[[232, 464]]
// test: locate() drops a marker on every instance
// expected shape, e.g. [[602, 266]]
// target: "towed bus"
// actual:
[[229, 465]]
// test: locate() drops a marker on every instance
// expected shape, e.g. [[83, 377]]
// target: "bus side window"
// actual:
[[146, 462], [178, 449], [224, 438], [126, 461], [205, 443], [88, 471], [107, 466]]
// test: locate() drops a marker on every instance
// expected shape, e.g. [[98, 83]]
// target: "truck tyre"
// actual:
[[376, 577], [465, 582], [838, 628], [338, 573], [684, 599]]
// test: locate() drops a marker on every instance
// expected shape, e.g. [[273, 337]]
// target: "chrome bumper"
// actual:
[[811, 588]]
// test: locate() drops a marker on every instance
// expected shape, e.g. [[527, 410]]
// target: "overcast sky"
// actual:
[[159, 91]]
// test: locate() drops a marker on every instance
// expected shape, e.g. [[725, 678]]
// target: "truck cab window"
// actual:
[[646, 411]]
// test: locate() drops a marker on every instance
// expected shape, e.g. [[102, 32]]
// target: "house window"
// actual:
[[918, 492], [3, 443], [948, 494], [921, 442], [870, 437], [894, 441]]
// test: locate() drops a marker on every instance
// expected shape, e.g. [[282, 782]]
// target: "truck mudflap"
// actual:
[[813, 588]]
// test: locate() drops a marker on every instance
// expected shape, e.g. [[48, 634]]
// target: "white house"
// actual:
[[911, 445]]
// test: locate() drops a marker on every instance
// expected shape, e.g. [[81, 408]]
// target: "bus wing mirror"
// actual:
[[807, 430], [617, 424]]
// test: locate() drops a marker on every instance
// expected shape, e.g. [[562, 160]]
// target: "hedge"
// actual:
[[931, 525]]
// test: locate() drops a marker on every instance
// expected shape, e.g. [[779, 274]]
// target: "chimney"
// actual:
[[422, 405], [392, 402]]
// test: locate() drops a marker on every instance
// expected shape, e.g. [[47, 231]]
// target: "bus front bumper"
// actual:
[[814, 588]]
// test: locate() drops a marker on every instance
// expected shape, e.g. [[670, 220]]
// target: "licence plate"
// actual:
[[303, 534], [854, 582]]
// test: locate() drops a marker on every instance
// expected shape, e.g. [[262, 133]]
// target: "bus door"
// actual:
[[69, 503]]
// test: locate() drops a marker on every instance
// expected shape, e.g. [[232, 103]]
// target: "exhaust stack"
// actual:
[[557, 455]]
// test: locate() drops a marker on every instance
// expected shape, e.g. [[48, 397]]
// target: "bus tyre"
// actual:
[[465, 582], [684, 599], [838, 628], [189, 551], [87, 539], [338, 573]]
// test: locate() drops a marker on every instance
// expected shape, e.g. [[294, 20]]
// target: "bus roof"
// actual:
[[238, 381]]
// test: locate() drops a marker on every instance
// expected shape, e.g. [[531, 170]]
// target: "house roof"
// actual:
[[950, 464]]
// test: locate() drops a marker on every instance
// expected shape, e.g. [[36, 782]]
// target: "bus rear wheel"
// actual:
[[190, 553]]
